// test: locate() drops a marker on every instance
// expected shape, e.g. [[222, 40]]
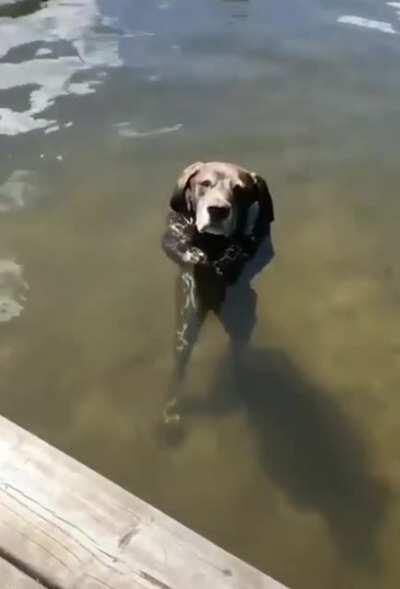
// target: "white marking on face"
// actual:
[[204, 223], [202, 217]]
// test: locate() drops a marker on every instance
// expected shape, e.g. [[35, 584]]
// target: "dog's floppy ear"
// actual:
[[179, 201], [259, 205], [263, 197]]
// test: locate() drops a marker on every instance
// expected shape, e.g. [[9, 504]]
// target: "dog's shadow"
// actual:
[[307, 445]]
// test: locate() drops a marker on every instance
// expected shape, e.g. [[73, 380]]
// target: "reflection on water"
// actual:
[[291, 458], [358, 21], [12, 289], [72, 47], [125, 130], [18, 191], [16, 8]]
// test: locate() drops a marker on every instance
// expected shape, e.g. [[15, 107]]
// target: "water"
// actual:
[[294, 465]]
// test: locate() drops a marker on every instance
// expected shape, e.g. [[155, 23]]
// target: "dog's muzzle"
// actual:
[[214, 217]]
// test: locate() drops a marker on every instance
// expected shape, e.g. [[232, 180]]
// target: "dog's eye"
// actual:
[[205, 184]]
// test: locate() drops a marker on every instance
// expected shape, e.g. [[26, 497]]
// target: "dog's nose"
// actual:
[[218, 213]]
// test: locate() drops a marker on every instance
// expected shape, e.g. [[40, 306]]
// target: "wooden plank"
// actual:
[[72, 528], [13, 578]]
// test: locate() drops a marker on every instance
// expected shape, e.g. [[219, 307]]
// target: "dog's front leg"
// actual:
[[190, 315], [178, 242]]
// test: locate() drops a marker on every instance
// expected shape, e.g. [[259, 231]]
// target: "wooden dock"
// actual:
[[63, 526]]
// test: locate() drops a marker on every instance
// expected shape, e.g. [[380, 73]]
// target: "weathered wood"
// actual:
[[69, 528], [13, 578]]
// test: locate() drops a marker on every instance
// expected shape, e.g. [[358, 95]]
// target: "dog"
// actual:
[[219, 234]]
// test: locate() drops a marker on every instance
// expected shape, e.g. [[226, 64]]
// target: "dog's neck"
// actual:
[[213, 245]]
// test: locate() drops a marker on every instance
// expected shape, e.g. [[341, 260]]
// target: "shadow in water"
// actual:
[[307, 446]]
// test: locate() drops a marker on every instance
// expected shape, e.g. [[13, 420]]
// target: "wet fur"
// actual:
[[215, 270], [224, 257]]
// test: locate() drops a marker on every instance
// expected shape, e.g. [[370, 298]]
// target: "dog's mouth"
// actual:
[[211, 229]]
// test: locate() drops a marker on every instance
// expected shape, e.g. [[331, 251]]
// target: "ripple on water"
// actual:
[[20, 190], [12, 290]]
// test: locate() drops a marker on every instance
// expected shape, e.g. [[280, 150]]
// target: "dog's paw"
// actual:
[[171, 414], [171, 429], [194, 255]]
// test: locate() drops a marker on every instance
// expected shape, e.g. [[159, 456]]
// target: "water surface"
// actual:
[[293, 464]]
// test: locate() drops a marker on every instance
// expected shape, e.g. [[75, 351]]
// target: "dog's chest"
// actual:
[[212, 245]]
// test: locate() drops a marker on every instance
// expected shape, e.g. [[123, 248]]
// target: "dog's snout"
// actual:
[[218, 213]]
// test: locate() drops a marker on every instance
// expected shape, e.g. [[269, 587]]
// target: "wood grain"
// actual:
[[70, 528], [12, 578]]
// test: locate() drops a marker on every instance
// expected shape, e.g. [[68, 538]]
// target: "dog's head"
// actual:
[[219, 197]]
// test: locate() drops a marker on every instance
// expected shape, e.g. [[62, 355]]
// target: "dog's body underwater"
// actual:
[[218, 232]]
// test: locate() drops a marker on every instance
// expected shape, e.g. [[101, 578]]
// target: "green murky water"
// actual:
[[293, 465]]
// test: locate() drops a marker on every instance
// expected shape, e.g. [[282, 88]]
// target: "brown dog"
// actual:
[[218, 232]]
